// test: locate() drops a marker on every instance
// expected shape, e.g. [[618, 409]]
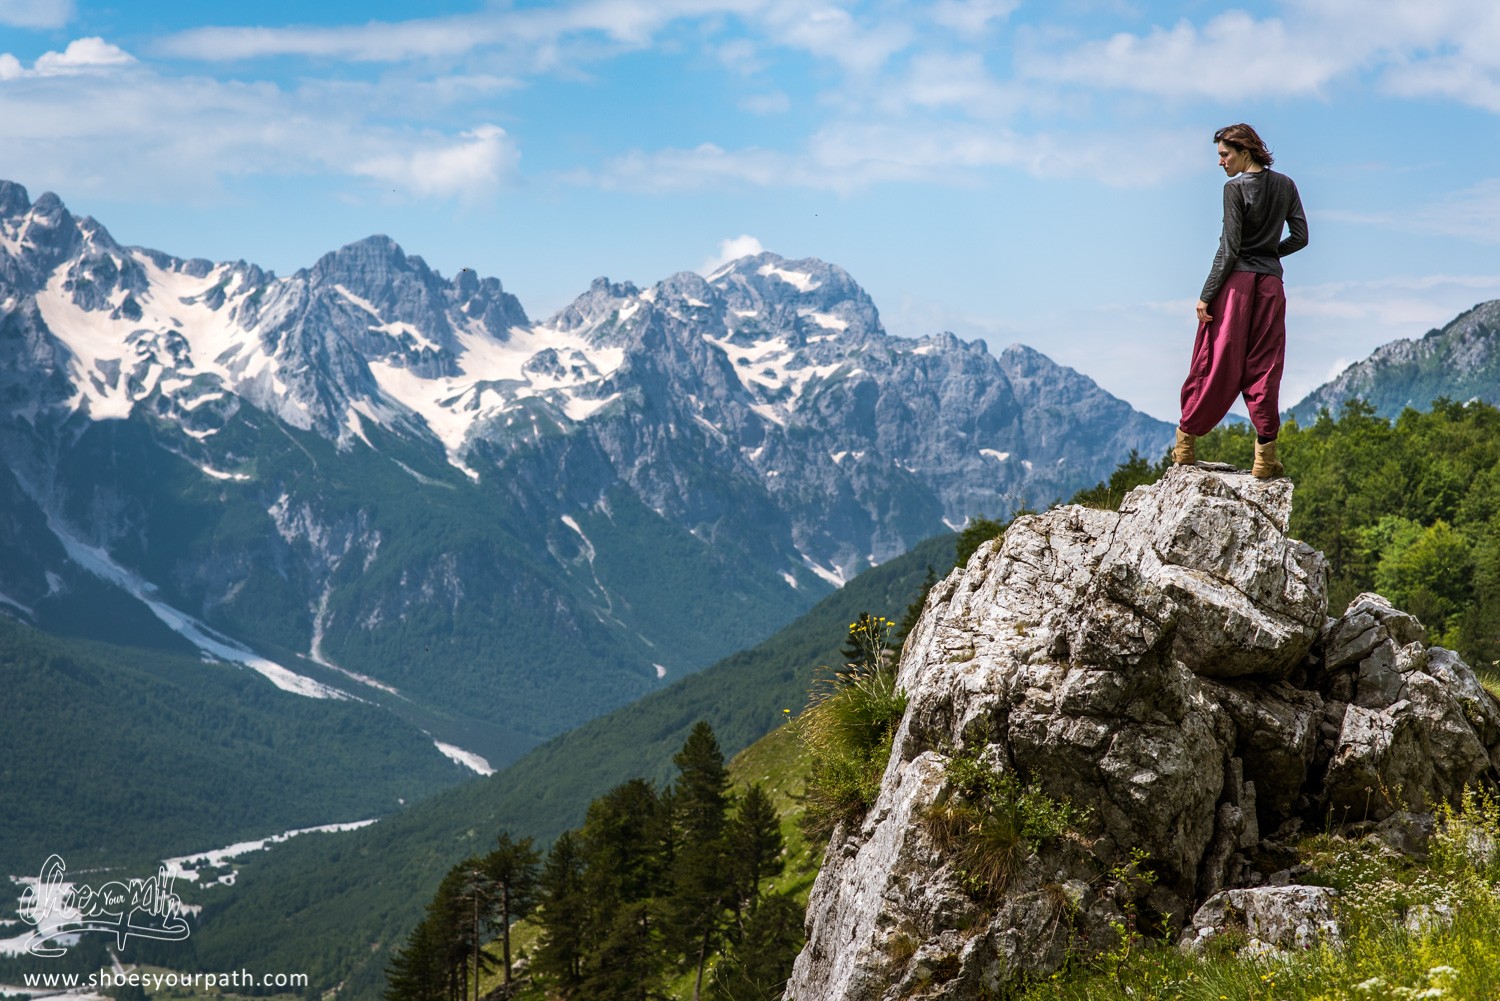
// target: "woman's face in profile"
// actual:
[[1234, 161]]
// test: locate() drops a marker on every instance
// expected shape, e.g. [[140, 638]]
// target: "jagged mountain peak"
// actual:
[[597, 306], [14, 200], [375, 256], [807, 300]]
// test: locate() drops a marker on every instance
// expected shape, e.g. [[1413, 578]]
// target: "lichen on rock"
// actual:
[[1169, 670]]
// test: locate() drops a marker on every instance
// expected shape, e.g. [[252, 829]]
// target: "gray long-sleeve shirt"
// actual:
[[1256, 207]]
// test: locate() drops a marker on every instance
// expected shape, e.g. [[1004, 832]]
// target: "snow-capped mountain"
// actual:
[[418, 491]]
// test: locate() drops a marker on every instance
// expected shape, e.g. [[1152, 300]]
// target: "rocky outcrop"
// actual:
[[1170, 670]]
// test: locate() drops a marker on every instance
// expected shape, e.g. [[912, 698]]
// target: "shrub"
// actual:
[[991, 823], [849, 727]]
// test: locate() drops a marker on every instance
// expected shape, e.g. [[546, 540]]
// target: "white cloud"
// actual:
[[832, 33], [1470, 214], [743, 245], [1214, 61], [742, 56], [36, 13], [474, 166], [83, 55], [845, 157], [1413, 48], [970, 17], [184, 137], [533, 32], [940, 79], [376, 41]]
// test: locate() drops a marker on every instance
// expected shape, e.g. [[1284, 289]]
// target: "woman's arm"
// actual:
[[1296, 222], [1229, 244]]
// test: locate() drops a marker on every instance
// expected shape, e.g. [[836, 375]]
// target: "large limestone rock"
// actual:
[[1170, 669]]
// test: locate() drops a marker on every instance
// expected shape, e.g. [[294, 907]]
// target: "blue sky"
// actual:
[[1011, 170]]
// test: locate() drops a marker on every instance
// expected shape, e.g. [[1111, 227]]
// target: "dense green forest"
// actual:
[[116, 755], [660, 882]]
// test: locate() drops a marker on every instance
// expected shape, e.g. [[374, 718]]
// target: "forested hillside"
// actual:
[[336, 906], [1405, 507], [74, 758]]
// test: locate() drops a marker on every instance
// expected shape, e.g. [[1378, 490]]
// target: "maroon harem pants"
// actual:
[[1241, 351]]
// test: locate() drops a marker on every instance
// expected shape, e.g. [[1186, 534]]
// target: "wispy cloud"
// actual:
[[1470, 214], [732, 249], [474, 165], [1185, 60], [774, 103], [1415, 302], [1412, 48], [846, 157], [971, 17], [174, 136], [36, 13]]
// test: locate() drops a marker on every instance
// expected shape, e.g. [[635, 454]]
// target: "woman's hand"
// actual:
[[1203, 316]]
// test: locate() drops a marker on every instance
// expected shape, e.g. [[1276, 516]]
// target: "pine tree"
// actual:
[[623, 871], [627, 962], [564, 914], [512, 872], [417, 971], [758, 968], [755, 846], [434, 964], [702, 879], [471, 904]]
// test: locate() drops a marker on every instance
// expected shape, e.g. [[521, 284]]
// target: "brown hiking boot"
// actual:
[[1182, 452], [1267, 467]]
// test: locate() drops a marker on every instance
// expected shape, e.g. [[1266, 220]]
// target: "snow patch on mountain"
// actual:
[[217, 857], [6, 599], [99, 563], [824, 319], [800, 280], [468, 759], [832, 575]]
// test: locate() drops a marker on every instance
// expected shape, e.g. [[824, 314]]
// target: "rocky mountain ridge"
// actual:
[[1460, 361], [367, 478], [1170, 671]]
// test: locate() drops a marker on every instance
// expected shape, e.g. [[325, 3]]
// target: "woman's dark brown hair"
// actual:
[[1243, 137]]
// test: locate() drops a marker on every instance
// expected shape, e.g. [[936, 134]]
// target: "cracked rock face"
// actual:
[[1171, 670]]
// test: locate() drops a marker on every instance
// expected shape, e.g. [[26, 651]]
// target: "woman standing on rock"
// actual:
[[1241, 342]]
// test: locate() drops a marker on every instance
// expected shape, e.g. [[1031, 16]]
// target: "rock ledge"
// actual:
[[1170, 668]]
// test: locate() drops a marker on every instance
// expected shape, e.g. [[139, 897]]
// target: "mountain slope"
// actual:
[[1461, 361], [365, 477], [336, 905], [222, 756]]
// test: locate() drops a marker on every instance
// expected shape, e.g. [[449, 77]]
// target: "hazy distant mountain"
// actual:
[[1461, 362]]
